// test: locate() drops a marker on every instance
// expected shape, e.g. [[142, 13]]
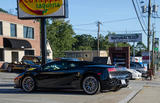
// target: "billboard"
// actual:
[[30, 9], [125, 38]]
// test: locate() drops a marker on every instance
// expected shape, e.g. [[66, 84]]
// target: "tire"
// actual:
[[9, 69], [28, 84], [91, 85]]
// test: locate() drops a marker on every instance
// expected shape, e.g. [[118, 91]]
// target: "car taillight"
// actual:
[[99, 73], [111, 69]]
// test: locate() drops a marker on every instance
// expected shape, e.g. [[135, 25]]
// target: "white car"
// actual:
[[135, 74]]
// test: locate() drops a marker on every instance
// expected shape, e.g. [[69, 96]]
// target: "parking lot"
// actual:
[[9, 94]]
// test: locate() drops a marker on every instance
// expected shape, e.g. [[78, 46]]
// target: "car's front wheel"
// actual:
[[91, 85], [28, 84]]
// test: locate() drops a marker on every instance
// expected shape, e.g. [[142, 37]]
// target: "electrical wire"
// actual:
[[138, 17], [111, 21], [92, 30], [120, 20], [93, 23]]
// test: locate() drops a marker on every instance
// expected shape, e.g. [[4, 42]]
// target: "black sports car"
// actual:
[[90, 77]]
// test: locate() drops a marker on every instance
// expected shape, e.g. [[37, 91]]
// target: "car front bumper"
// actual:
[[17, 83]]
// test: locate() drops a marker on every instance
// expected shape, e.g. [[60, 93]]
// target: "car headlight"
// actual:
[[19, 76]]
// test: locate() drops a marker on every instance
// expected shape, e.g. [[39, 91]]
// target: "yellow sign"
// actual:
[[40, 7]]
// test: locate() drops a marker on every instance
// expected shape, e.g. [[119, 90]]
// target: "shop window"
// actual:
[[28, 32], [13, 30], [1, 55], [29, 52], [1, 28]]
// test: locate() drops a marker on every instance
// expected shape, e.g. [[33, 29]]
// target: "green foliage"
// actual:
[[83, 42], [2, 10], [62, 38], [140, 47], [60, 35], [88, 42]]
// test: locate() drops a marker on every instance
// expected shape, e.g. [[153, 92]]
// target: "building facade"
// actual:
[[86, 55], [18, 38]]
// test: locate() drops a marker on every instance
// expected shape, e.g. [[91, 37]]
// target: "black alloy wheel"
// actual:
[[91, 85], [28, 84]]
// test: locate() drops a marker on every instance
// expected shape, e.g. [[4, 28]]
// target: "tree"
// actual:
[[2, 10], [107, 44], [140, 47], [60, 35], [84, 42]]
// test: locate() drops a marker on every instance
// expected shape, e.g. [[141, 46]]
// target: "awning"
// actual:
[[16, 43]]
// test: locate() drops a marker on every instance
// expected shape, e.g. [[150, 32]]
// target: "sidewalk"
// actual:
[[149, 93]]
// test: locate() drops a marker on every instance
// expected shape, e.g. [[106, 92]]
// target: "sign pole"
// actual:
[[134, 52], [43, 40]]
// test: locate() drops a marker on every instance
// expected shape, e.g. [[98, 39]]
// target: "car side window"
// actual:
[[55, 66]]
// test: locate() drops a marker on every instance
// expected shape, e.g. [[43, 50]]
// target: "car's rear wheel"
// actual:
[[28, 84], [91, 85]]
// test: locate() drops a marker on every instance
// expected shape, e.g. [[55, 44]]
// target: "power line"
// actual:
[[120, 20], [138, 17], [111, 21], [90, 30], [93, 23], [94, 30]]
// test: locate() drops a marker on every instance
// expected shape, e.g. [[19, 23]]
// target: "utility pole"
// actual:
[[98, 37], [149, 21], [153, 46]]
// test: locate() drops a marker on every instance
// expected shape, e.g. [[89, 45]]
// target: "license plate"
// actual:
[[123, 81]]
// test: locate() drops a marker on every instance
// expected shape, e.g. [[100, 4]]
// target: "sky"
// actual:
[[115, 15]]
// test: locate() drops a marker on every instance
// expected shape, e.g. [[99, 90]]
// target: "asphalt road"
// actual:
[[8, 94]]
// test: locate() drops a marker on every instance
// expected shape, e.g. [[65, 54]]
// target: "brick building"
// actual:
[[18, 38]]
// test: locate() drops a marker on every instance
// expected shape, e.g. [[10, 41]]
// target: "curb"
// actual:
[[6, 85], [131, 96]]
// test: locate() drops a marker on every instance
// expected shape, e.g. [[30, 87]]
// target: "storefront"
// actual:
[[18, 38]]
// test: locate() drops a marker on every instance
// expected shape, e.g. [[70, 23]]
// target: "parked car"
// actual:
[[124, 70], [26, 62], [67, 59], [138, 67], [133, 73], [90, 77]]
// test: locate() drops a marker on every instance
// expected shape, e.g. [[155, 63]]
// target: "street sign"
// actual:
[[42, 8], [125, 38], [156, 44], [145, 57]]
